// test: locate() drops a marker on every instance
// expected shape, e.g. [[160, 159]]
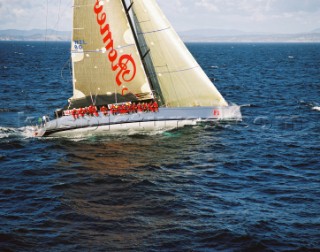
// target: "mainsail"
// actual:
[[107, 67], [182, 81]]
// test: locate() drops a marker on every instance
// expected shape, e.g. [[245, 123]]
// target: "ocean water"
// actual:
[[247, 186]]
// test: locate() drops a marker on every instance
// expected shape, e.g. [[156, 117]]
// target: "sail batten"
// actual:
[[155, 31], [177, 71]]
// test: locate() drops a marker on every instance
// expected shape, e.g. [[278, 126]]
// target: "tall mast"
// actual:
[[142, 56]]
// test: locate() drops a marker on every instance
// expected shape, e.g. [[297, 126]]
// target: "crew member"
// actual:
[[74, 113], [104, 110]]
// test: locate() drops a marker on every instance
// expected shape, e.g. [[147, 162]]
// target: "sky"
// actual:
[[263, 16]]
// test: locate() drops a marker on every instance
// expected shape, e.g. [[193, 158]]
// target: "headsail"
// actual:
[[106, 64], [182, 81]]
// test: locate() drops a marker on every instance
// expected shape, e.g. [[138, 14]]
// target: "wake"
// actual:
[[24, 132], [7, 132], [312, 105]]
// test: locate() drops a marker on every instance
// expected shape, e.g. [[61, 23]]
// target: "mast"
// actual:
[[142, 55]]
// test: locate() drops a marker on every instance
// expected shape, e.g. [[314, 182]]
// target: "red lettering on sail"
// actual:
[[124, 90], [124, 66], [125, 74]]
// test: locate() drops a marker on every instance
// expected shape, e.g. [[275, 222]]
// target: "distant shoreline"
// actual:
[[192, 36], [187, 42]]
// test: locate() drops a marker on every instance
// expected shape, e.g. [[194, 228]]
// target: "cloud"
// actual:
[[295, 6], [30, 14], [207, 5], [245, 7], [257, 15], [246, 15], [174, 6], [230, 6]]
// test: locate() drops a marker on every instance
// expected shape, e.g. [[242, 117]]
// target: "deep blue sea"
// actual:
[[247, 186]]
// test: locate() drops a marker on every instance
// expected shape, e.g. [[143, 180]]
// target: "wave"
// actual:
[[6, 110], [25, 132], [312, 105], [7, 132], [247, 105]]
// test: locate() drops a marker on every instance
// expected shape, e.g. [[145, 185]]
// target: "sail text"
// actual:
[[124, 66]]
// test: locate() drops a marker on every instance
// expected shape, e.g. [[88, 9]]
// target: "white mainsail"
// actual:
[[182, 81], [106, 63]]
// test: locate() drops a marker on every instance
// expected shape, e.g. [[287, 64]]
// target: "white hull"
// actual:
[[165, 119]]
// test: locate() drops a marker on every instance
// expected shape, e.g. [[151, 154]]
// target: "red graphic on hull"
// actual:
[[216, 112]]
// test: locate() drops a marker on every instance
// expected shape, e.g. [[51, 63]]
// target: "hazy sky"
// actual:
[[276, 16]]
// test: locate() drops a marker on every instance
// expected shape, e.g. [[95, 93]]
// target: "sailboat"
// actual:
[[132, 72]]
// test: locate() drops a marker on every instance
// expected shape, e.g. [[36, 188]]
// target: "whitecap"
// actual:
[[246, 105], [7, 132], [316, 108], [28, 131], [4, 135]]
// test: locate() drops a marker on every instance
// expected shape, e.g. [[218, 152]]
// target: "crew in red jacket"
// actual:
[[74, 113], [155, 106], [104, 110]]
